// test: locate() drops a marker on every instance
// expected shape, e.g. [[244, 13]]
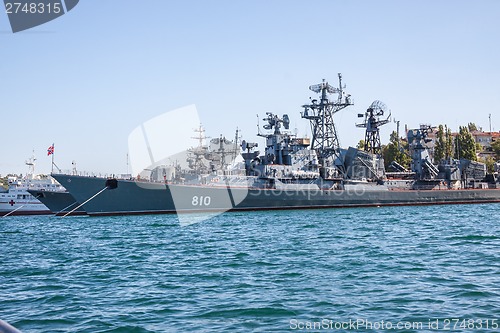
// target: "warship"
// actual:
[[58, 202], [292, 172]]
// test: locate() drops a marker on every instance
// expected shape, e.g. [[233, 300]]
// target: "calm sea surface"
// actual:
[[277, 271]]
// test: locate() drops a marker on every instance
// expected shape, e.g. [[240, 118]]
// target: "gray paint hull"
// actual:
[[132, 197], [57, 202]]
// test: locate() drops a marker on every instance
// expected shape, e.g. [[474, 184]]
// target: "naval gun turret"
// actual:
[[421, 164], [461, 173]]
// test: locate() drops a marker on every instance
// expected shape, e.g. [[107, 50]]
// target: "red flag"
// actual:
[[50, 150]]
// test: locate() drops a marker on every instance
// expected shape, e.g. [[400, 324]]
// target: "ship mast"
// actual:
[[197, 155], [372, 124], [236, 147], [31, 166], [324, 134]]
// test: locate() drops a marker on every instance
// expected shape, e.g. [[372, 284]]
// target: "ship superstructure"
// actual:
[[286, 157]]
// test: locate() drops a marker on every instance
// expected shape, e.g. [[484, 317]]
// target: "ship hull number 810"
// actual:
[[201, 200]]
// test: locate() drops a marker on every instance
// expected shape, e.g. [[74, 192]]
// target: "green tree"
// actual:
[[495, 145], [490, 163], [396, 150], [465, 145], [472, 127], [440, 145], [448, 151]]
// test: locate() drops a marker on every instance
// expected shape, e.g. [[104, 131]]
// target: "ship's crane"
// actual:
[[324, 134], [372, 124]]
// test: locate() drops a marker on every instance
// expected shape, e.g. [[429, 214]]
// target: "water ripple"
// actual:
[[252, 271]]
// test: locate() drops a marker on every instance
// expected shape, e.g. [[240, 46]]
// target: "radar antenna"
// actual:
[[372, 124], [324, 134], [273, 121]]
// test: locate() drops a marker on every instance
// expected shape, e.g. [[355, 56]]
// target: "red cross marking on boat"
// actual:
[[11, 202]]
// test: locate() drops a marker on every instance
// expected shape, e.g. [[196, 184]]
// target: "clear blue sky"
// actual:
[[85, 80]]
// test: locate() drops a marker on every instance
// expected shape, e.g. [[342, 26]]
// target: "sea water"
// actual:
[[404, 269]]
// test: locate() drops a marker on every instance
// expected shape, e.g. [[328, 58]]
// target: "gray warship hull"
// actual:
[[58, 202], [133, 197]]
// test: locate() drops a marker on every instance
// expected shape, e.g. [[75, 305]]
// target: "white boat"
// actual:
[[16, 200]]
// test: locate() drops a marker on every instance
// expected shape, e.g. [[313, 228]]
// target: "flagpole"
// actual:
[[53, 150]]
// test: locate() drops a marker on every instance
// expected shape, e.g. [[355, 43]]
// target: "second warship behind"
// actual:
[[58, 202], [293, 172]]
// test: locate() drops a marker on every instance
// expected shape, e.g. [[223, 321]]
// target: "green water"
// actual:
[[276, 271]]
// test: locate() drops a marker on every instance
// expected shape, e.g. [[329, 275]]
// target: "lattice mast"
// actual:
[[324, 134], [372, 124], [196, 155]]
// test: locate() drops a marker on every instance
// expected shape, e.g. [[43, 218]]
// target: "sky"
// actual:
[[85, 80]]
